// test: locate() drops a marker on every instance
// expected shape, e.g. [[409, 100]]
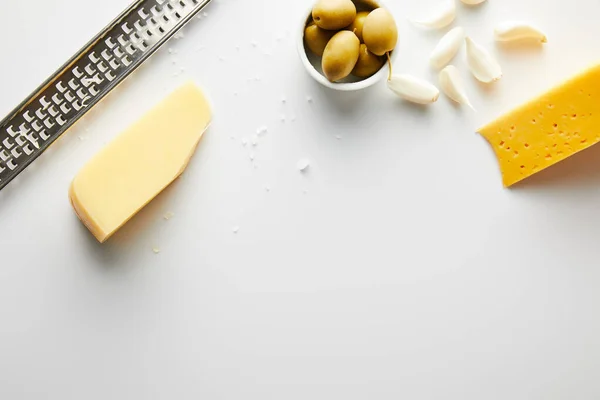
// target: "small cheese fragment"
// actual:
[[135, 167], [539, 134]]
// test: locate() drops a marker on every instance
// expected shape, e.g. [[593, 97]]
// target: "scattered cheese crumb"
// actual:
[[235, 229], [283, 100], [303, 164], [156, 250], [168, 215], [244, 141], [338, 137], [252, 156], [267, 188], [254, 43], [179, 35], [263, 130], [254, 140], [282, 118], [205, 14], [309, 99]]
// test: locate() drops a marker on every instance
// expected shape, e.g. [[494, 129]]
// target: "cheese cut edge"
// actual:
[[94, 226]]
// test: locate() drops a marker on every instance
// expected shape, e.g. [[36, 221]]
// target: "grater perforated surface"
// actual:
[[88, 77]]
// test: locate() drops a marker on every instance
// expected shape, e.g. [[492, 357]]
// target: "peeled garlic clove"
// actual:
[[514, 30], [452, 85], [472, 2], [413, 89], [447, 48], [482, 64], [441, 19]]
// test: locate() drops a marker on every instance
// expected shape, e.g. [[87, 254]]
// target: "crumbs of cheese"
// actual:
[[545, 131]]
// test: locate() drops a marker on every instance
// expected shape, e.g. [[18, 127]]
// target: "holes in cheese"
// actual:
[[135, 167], [549, 129]]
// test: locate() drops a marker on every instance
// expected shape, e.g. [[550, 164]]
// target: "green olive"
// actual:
[[340, 55], [368, 63], [357, 25], [333, 14], [380, 32], [316, 38]]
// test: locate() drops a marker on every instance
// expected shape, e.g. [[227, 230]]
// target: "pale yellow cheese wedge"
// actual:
[[545, 131], [135, 167]]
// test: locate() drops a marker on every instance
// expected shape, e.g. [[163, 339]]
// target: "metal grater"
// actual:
[[87, 78]]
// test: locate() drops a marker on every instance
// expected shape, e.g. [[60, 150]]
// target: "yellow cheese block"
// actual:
[[140, 162], [548, 129]]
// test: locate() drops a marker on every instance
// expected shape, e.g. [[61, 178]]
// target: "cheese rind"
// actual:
[[135, 167], [549, 129]]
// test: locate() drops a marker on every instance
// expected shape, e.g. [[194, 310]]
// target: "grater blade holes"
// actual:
[[49, 122], [102, 67], [45, 103], [73, 85], [61, 120], [89, 69], [56, 99], [126, 28], [44, 136], [78, 74], [106, 55], [65, 109], [93, 57], [16, 153], [69, 96], [52, 111]]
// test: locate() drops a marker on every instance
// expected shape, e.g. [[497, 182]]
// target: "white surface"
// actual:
[[396, 267]]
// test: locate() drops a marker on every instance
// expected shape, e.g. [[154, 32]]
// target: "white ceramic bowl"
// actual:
[[312, 64]]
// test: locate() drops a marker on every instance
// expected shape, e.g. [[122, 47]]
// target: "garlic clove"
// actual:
[[452, 85], [472, 2], [447, 48], [413, 89], [511, 31], [483, 65], [444, 17]]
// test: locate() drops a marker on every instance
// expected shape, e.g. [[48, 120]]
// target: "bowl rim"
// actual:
[[343, 86]]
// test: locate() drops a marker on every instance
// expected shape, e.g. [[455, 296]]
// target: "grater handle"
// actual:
[[86, 78]]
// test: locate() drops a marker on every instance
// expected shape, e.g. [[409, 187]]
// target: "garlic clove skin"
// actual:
[[473, 2], [483, 65], [447, 48], [453, 87], [413, 89], [512, 31], [444, 17]]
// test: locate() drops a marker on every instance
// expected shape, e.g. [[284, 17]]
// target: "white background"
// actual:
[[396, 268]]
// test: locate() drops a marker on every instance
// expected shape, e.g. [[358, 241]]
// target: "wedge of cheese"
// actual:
[[140, 162], [549, 129]]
